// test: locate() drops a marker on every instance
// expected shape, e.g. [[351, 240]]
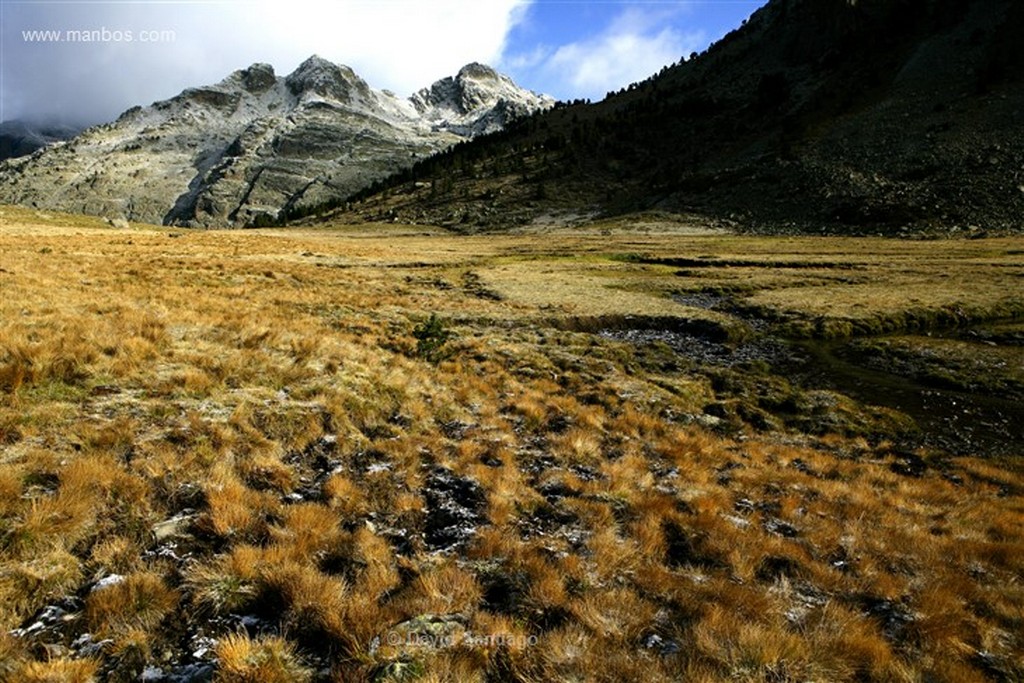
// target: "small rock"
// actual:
[[51, 614], [378, 467], [663, 646], [433, 631], [708, 421], [90, 647], [191, 673], [784, 529], [82, 640], [107, 582], [744, 506], [172, 528], [29, 630], [151, 674]]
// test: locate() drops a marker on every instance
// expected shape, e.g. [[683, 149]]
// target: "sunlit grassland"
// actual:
[[240, 423]]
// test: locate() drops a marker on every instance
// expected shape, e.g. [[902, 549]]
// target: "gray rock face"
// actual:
[[255, 146]]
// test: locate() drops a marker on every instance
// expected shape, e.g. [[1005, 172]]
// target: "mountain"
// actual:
[[257, 146], [20, 138], [477, 100], [844, 116]]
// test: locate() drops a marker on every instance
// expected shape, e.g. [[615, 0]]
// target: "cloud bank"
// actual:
[[401, 45]]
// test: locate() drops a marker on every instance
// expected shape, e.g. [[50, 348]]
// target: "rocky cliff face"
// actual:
[[256, 146]]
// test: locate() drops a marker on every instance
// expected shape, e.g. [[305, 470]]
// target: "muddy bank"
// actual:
[[955, 413], [960, 394]]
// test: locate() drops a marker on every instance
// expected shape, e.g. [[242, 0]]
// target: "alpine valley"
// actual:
[[718, 379]]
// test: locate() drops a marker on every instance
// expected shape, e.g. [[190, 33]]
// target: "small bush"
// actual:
[[431, 337]]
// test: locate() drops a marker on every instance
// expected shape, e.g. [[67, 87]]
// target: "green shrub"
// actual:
[[431, 337]]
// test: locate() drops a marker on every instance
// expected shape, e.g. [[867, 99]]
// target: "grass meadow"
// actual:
[[253, 456]]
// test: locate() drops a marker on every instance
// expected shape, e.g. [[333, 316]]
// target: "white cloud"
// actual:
[[635, 44], [402, 45], [399, 44], [526, 60]]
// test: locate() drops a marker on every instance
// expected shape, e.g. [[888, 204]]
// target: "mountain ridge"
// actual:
[[245, 150], [891, 116]]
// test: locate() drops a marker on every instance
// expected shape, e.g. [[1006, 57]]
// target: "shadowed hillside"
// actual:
[[830, 115]]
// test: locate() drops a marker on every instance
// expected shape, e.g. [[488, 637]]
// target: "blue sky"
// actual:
[[572, 48], [565, 48]]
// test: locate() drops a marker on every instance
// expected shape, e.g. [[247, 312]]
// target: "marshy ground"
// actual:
[[630, 451]]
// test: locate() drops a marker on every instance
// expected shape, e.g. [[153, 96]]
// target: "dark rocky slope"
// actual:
[[819, 115]]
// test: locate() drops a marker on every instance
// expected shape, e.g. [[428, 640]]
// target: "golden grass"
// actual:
[[141, 600], [264, 660], [57, 671], [284, 429]]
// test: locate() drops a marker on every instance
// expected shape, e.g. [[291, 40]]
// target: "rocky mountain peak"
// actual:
[[478, 71], [258, 78], [319, 76], [477, 99]]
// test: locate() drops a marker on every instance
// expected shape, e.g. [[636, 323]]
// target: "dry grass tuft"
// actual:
[[58, 671], [140, 600], [267, 659], [27, 585], [226, 584]]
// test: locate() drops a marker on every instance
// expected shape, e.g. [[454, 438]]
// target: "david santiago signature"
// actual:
[[446, 640]]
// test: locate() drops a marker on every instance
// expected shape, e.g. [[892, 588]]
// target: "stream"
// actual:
[[958, 422]]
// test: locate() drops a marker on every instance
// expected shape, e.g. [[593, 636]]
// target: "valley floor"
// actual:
[[630, 451]]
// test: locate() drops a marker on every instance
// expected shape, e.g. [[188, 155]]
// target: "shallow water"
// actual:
[[959, 422]]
